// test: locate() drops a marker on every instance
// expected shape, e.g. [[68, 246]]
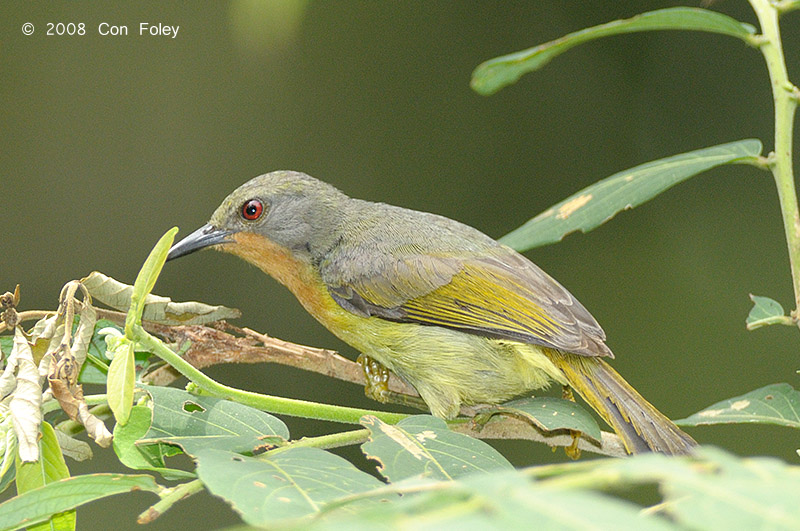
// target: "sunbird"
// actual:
[[461, 317]]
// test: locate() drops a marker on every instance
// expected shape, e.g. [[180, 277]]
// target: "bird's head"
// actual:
[[286, 209]]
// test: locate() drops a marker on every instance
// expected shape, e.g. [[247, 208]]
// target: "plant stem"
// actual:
[[273, 404], [169, 498], [325, 442], [785, 99]]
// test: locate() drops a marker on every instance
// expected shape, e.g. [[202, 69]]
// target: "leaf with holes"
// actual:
[[197, 422], [141, 456], [774, 404], [598, 203], [548, 414], [288, 483], [422, 445]]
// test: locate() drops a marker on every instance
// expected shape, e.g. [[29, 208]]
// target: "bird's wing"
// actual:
[[502, 295]]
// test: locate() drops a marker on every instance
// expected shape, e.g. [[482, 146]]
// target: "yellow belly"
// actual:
[[447, 367]]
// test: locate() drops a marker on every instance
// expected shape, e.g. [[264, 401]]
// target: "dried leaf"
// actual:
[[159, 309], [26, 401], [42, 334], [66, 400], [73, 448], [8, 380], [83, 336], [44, 328], [8, 438], [94, 426]]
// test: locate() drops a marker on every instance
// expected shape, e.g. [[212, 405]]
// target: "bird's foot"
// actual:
[[572, 451], [376, 387], [566, 393]]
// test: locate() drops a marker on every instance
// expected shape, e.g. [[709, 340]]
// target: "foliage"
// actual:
[[426, 474]]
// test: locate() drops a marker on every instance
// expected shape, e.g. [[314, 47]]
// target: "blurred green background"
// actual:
[[109, 141]]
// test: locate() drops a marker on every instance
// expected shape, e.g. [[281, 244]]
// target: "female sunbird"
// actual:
[[461, 317]]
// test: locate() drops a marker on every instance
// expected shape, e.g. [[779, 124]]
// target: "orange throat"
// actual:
[[277, 261]]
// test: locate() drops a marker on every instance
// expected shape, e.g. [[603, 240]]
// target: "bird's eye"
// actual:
[[252, 210]]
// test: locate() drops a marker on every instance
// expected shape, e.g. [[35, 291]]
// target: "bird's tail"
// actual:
[[641, 426]]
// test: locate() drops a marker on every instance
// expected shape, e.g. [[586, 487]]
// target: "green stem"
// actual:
[[326, 442], [272, 404], [785, 6], [170, 497], [784, 97]]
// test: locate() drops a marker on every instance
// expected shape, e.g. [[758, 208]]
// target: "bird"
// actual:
[[459, 316]]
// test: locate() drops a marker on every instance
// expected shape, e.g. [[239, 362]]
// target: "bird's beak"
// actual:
[[203, 237]]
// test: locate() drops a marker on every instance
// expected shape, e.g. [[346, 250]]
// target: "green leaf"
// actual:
[[95, 370], [146, 279], [548, 414], [422, 445], [144, 457], [40, 504], [121, 378], [8, 449], [492, 75], [48, 469], [598, 203], [288, 483], [6, 344], [774, 404], [716, 490], [8, 476], [499, 500], [759, 493], [766, 312], [198, 422], [158, 309]]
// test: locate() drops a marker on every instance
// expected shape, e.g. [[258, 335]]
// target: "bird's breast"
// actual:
[[295, 273]]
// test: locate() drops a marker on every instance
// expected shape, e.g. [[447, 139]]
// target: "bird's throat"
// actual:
[[280, 263]]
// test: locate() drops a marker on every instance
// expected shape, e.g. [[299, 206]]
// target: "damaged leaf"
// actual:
[[158, 309], [598, 203], [25, 405], [423, 446], [773, 404], [72, 447]]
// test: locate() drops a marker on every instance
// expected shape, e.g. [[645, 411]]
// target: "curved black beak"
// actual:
[[203, 237]]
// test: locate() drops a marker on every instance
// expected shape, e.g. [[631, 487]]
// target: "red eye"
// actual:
[[252, 210]]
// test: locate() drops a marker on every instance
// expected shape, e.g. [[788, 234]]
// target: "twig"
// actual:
[[212, 346]]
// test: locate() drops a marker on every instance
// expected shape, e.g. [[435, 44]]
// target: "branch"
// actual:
[[211, 345]]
